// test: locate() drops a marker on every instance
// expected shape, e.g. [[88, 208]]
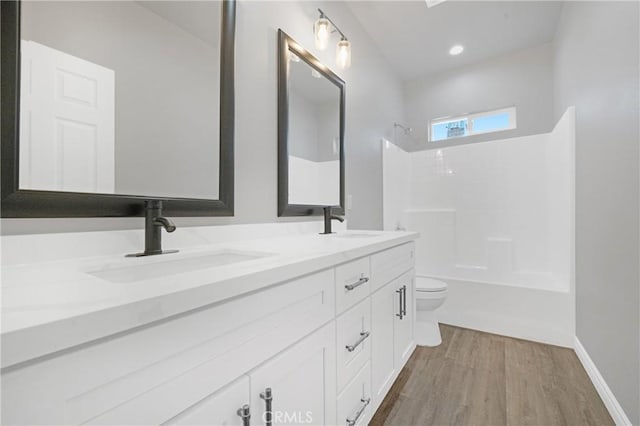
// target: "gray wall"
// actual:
[[166, 131], [596, 69], [374, 102], [523, 78]]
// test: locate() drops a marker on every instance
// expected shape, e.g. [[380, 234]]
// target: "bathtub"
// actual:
[[540, 315]]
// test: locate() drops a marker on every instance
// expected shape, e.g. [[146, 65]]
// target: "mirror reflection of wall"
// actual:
[[121, 97], [314, 136]]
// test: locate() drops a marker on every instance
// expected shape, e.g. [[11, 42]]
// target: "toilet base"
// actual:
[[427, 331]]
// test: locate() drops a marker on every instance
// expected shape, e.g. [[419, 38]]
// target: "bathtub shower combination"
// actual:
[[496, 225]]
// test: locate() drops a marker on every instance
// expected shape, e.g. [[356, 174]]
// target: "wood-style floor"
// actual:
[[475, 378]]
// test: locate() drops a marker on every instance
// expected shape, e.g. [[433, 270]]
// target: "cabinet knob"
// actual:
[[245, 414]]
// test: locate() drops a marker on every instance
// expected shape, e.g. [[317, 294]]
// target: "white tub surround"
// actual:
[[497, 224], [171, 338]]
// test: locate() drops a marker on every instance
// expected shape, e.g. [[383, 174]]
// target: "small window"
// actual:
[[472, 124]]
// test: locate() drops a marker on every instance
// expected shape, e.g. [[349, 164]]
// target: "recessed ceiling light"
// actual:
[[456, 50]]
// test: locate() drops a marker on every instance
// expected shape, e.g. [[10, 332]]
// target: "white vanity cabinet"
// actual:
[[392, 324], [392, 318], [327, 345], [151, 375]]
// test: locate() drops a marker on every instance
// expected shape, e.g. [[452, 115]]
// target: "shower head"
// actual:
[[407, 130]]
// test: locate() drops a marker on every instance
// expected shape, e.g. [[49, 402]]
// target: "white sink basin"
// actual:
[[126, 272]]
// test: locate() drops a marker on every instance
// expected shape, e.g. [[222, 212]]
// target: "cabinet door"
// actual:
[[221, 408], [302, 381], [384, 307], [403, 326]]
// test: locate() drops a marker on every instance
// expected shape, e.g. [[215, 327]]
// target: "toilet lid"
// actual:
[[428, 284]]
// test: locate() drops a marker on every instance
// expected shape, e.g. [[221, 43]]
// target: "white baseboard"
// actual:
[[609, 399]]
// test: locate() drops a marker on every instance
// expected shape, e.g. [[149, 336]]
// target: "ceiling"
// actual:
[[416, 39]]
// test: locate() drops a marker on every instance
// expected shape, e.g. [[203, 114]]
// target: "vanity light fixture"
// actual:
[[322, 31], [456, 50]]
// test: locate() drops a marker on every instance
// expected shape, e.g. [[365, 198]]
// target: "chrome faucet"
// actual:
[[328, 217], [153, 224]]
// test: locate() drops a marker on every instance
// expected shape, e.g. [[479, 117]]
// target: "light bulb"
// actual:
[[322, 32], [343, 54]]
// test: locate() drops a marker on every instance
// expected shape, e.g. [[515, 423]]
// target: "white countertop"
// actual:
[[51, 306]]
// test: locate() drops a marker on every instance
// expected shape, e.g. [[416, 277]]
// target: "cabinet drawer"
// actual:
[[389, 264], [170, 365], [354, 403], [221, 408], [354, 341], [352, 283]]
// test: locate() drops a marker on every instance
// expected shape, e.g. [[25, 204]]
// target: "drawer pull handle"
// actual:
[[268, 397], [404, 300], [361, 281], [400, 311], [363, 336], [352, 422], [245, 415]]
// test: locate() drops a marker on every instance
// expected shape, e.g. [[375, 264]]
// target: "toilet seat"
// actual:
[[430, 285]]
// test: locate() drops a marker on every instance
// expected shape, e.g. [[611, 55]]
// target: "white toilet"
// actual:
[[430, 295]]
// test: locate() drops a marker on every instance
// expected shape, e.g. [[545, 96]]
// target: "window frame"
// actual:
[[469, 117]]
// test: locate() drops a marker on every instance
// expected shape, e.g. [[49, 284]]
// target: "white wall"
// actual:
[[596, 69], [374, 102], [523, 78]]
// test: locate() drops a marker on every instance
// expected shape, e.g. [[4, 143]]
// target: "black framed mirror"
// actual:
[[106, 105], [311, 112]]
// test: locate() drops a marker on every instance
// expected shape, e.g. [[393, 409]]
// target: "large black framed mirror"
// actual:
[[311, 112], [106, 105]]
